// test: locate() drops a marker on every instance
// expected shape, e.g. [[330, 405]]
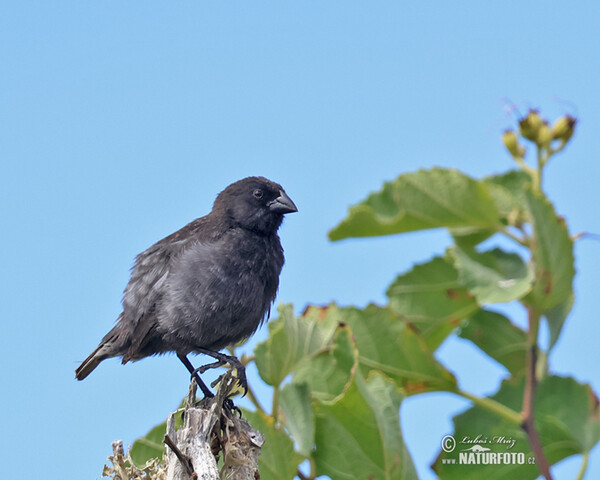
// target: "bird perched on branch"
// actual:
[[206, 286]]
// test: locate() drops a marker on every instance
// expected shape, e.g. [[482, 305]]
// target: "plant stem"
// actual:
[[519, 240], [275, 407], [252, 397], [536, 174], [528, 413], [544, 153], [492, 406], [585, 457], [558, 149], [524, 166]]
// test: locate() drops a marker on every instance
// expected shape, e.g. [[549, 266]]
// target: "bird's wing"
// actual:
[[136, 330], [151, 270]]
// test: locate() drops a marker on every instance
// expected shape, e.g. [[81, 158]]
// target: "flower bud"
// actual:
[[563, 128], [509, 138], [544, 136], [530, 125]]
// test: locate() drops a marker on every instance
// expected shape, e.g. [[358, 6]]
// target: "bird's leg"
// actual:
[[222, 359], [205, 390], [228, 403]]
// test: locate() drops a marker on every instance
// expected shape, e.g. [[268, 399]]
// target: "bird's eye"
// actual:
[[258, 193]]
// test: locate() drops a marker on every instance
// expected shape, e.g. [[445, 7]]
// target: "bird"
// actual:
[[205, 287]]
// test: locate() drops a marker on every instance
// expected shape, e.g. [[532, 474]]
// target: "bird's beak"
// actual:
[[282, 204]]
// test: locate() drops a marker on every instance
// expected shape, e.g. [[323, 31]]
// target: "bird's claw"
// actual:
[[231, 407], [242, 381]]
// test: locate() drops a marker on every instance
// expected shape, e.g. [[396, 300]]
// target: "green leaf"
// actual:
[[292, 339], [566, 419], [556, 317], [149, 446], [295, 403], [421, 200], [431, 290], [499, 338], [359, 435], [552, 252], [432, 298], [387, 343], [494, 276], [469, 237], [508, 192], [567, 411], [277, 460], [328, 373]]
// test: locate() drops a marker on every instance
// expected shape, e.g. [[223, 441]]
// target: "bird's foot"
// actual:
[[194, 375], [231, 407], [234, 362], [240, 371]]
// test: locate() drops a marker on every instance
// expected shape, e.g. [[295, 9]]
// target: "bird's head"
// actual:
[[255, 203]]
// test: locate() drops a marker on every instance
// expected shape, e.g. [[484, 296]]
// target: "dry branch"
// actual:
[[209, 430]]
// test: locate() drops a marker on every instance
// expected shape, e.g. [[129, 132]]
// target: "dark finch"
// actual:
[[206, 286]]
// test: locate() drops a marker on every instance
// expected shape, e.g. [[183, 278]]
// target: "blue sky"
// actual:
[[121, 121]]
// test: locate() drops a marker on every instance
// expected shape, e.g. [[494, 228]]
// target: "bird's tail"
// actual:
[[91, 362], [109, 347]]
